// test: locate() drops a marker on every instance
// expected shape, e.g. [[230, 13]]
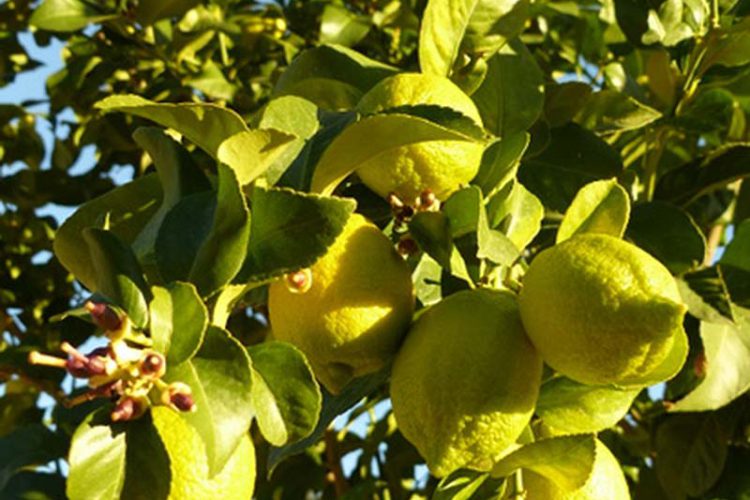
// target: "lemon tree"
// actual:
[[448, 249]]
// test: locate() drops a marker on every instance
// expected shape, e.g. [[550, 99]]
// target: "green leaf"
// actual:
[[178, 321], [28, 445], [706, 295], [211, 82], [222, 253], [728, 46], [443, 116], [341, 26], [291, 230], [147, 467], [574, 157], [331, 76], [432, 232], [97, 459], [371, 136], [292, 115], [67, 15], [568, 407], [426, 278], [287, 398], [332, 407], [567, 461], [668, 22], [737, 252], [128, 207], [207, 125], [478, 25], [251, 153], [179, 177], [512, 95], [181, 234], [599, 207], [118, 274], [220, 376], [691, 450], [36, 486], [563, 102], [683, 185], [516, 213], [148, 12], [669, 234], [727, 351], [500, 162], [609, 111], [460, 485]]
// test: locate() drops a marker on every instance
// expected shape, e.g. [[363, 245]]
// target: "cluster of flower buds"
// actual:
[[130, 376], [403, 212]]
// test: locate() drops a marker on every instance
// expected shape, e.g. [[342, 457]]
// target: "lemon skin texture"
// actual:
[[353, 317], [440, 166], [465, 383], [602, 311], [189, 466], [606, 482]]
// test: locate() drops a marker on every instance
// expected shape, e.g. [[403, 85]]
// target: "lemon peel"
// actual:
[[439, 166], [603, 311], [354, 314], [466, 380]]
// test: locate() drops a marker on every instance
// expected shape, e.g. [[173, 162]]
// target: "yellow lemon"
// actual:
[[189, 466], [603, 311], [606, 482], [356, 308], [439, 166], [466, 381]]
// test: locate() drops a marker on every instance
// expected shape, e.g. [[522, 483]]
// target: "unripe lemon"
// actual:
[[606, 482], [603, 311], [189, 467], [466, 381], [440, 166], [357, 309]]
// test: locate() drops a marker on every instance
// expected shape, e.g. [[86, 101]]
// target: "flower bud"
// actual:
[[128, 408], [104, 316], [178, 396], [299, 281], [153, 364]]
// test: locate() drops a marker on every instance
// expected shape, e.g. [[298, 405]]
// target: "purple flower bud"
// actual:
[[153, 364], [128, 408], [183, 402], [104, 316], [78, 367]]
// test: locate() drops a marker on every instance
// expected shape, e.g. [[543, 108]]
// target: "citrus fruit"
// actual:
[[466, 380], [439, 166], [189, 465], [606, 482], [355, 310], [603, 311]]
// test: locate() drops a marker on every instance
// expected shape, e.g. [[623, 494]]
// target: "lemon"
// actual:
[[352, 318], [189, 466], [466, 380], [439, 166], [606, 482], [603, 311]]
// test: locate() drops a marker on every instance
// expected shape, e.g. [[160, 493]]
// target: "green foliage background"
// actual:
[[653, 94]]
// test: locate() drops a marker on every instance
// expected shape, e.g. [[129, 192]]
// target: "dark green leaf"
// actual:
[[147, 469], [178, 321], [500, 162], [220, 376], [705, 293], [669, 234], [287, 398], [128, 207], [433, 234], [27, 446], [698, 177], [574, 157], [512, 95], [609, 111], [291, 230], [564, 101], [222, 252], [118, 274]]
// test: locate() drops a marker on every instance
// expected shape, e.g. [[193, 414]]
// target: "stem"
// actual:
[[651, 159], [712, 243], [715, 18], [333, 460]]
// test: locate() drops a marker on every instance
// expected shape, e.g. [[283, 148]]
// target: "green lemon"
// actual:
[[189, 466], [439, 166], [603, 311], [606, 482], [466, 380], [352, 318]]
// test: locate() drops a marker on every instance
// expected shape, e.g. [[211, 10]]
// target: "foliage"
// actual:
[[239, 121]]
